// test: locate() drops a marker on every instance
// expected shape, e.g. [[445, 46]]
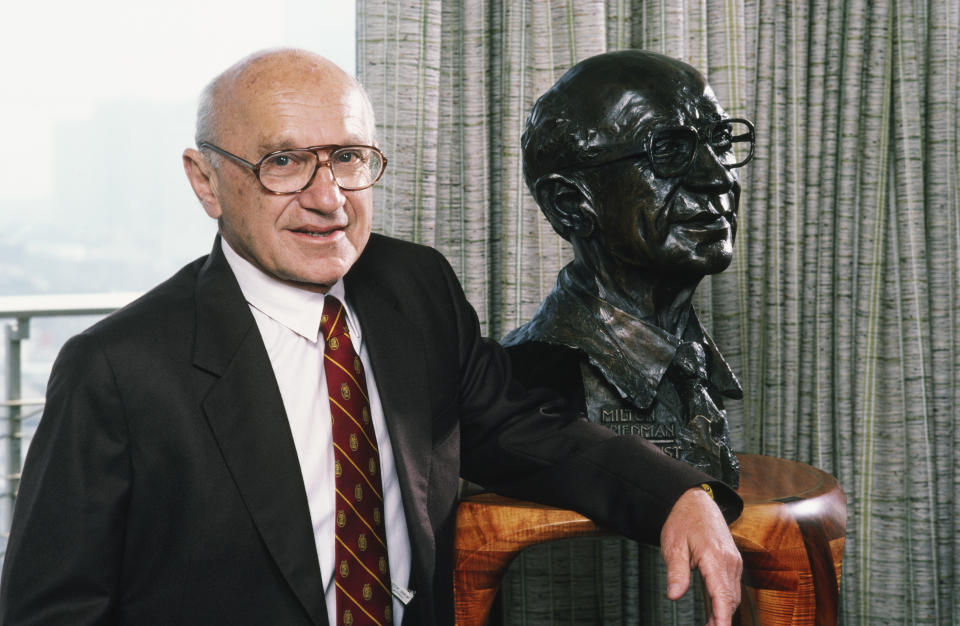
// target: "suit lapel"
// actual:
[[245, 411], [399, 368]]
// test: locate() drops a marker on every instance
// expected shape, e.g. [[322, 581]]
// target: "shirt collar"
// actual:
[[296, 309]]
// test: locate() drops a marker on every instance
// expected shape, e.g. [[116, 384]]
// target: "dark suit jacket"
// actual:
[[163, 487]]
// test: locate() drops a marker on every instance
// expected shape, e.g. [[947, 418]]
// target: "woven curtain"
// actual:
[[840, 311]]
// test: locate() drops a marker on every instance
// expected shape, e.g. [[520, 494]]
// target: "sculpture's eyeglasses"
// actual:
[[672, 150], [285, 172]]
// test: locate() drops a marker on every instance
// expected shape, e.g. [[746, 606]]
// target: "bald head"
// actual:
[[225, 100], [273, 102]]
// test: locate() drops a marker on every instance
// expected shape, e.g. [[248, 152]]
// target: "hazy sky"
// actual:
[[61, 58], [97, 103]]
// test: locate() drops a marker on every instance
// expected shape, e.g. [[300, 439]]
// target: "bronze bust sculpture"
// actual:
[[633, 161]]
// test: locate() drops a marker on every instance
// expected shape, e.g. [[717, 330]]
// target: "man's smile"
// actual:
[[319, 233]]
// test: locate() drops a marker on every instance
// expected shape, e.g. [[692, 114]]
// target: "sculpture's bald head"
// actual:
[[599, 107], [622, 199]]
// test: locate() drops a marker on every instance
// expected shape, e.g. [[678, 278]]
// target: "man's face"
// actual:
[[684, 224], [309, 239]]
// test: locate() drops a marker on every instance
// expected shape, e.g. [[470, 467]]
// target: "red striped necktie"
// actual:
[[362, 571]]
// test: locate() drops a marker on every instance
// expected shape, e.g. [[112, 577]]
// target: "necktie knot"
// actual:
[[333, 320]]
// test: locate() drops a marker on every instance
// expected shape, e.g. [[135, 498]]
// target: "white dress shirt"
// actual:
[[289, 322]]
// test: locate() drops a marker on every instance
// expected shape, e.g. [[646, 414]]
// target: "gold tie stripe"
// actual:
[[362, 572]]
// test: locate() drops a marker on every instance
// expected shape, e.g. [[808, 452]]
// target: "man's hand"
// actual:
[[695, 536]]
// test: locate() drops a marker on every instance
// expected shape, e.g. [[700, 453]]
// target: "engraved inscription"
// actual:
[[606, 407]]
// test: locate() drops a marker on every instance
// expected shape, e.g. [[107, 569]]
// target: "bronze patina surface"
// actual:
[[633, 160]]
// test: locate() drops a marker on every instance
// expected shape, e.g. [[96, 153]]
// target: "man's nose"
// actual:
[[707, 174], [323, 194]]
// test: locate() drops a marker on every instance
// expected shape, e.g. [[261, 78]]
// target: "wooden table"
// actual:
[[790, 535]]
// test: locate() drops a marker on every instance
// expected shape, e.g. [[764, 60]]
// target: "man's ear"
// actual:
[[567, 205], [203, 180]]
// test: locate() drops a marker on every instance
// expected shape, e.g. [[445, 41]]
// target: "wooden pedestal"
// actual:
[[790, 535], [791, 538]]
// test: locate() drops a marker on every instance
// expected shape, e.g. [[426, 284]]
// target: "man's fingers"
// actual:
[[721, 576], [677, 559], [695, 535]]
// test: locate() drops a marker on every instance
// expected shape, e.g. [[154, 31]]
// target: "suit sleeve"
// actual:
[[62, 564], [530, 444]]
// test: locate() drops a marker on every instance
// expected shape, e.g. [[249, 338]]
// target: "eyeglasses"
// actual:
[[672, 150], [285, 172]]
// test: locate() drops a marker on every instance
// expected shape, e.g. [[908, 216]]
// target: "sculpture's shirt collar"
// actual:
[[633, 355]]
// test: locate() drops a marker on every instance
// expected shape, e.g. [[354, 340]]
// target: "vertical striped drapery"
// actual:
[[840, 309]]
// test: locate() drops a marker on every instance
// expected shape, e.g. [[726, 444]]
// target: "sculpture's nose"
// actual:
[[707, 174]]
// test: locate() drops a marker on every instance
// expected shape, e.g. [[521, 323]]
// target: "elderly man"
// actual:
[[632, 160], [275, 434]]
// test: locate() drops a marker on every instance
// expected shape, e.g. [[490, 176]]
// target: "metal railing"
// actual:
[[19, 311]]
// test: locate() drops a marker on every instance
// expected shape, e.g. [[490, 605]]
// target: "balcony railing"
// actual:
[[17, 312]]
